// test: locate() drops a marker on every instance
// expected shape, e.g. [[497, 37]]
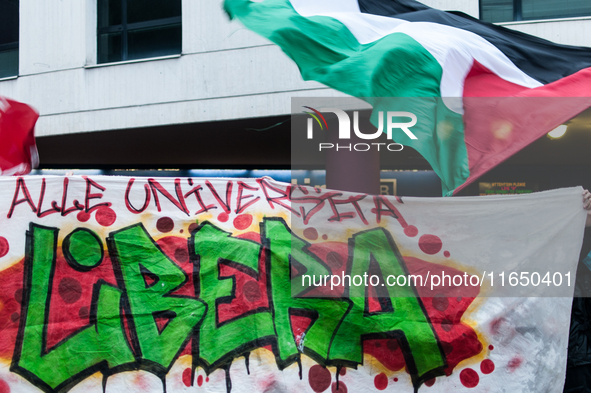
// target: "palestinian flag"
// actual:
[[482, 92], [18, 150]]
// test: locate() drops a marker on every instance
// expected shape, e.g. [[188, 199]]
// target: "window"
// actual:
[[515, 10], [138, 29], [8, 38]]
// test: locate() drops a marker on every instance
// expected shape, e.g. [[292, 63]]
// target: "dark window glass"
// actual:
[[110, 47], [8, 63], [145, 10], [547, 9], [138, 29], [496, 10], [9, 19], [515, 10], [109, 13], [154, 42]]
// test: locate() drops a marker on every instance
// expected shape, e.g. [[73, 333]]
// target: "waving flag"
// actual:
[[493, 91], [18, 151]]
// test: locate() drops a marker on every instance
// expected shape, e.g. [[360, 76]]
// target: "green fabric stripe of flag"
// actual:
[[395, 66]]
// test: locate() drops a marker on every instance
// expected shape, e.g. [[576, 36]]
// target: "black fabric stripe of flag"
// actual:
[[542, 60]]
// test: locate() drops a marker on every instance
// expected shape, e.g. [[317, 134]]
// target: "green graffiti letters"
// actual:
[[102, 346], [287, 249], [404, 319], [136, 253], [142, 323], [212, 248]]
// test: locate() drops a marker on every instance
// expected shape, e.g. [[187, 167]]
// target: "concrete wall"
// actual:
[[469, 7], [225, 71], [568, 31]]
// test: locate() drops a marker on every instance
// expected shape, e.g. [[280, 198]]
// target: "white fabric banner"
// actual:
[[124, 284]]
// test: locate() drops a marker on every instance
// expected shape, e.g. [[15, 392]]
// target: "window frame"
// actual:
[[125, 28], [9, 46]]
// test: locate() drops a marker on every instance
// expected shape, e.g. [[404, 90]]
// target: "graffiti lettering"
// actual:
[[304, 204], [143, 323], [100, 346], [135, 253], [407, 317], [21, 188]]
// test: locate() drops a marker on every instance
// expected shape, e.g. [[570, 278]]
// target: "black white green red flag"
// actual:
[[18, 150], [494, 90]]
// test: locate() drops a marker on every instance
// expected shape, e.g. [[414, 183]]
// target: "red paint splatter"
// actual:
[[83, 216], [255, 237], [343, 371], [105, 216], [395, 379], [430, 382], [334, 260], [4, 247], [469, 378], [18, 295], [440, 303], [181, 254], [491, 347], [223, 217], [324, 237], [11, 279], [165, 224], [501, 327], [334, 254], [187, 377], [311, 233], [252, 291], [83, 312], [193, 226], [4, 388], [70, 290], [447, 325], [446, 254], [514, 363], [319, 378], [242, 222], [342, 387], [447, 348], [487, 366], [381, 381], [200, 380], [392, 344], [207, 379], [387, 352], [411, 231], [430, 244]]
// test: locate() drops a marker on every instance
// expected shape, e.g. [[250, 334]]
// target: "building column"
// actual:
[[352, 170]]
